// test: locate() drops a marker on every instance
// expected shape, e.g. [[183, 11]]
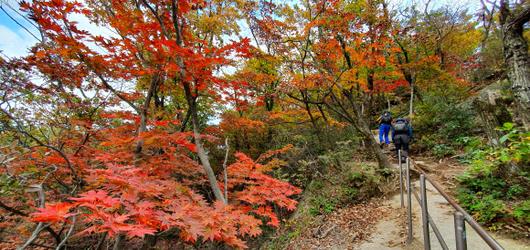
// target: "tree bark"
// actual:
[[117, 242], [382, 159], [516, 57], [225, 171], [201, 152], [144, 112], [358, 121], [305, 99], [411, 106], [192, 103]]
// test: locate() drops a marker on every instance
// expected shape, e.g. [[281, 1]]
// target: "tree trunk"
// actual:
[[312, 118], [144, 112], [370, 104], [411, 106], [363, 127], [516, 57], [382, 159], [149, 242], [201, 152], [358, 120], [117, 242], [192, 103], [310, 114]]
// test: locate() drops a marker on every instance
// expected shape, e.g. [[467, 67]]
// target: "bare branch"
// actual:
[[67, 234], [157, 16], [21, 130], [225, 172], [42, 199], [521, 18]]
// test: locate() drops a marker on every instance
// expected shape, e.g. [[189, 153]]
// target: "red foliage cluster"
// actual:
[[134, 171], [136, 198]]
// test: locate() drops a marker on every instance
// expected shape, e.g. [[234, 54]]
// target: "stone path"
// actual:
[[390, 231]]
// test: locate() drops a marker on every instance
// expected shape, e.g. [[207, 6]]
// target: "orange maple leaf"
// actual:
[[52, 213]]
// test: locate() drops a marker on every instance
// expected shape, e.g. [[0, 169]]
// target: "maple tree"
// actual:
[[334, 64], [114, 160]]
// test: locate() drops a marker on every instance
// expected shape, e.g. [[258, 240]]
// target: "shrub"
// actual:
[[496, 177], [440, 118], [322, 205], [484, 209], [442, 150], [521, 212], [515, 191]]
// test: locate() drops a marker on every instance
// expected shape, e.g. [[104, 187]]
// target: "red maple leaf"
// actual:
[[140, 231], [98, 198], [52, 213]]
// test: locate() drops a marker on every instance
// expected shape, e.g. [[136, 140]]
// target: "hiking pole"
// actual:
[[400, 179], [424, 213], [409, 203], [460, 231]]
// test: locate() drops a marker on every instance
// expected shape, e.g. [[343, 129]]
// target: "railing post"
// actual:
[[424, 213], [401, 179], [460, 231], [409, 203]]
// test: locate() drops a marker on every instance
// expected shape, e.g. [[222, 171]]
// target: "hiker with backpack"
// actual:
[[401, 136], [385, 125]]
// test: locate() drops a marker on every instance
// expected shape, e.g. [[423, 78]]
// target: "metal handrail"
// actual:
[[434, 227], [460, 215], [480, 231], [409, 203]]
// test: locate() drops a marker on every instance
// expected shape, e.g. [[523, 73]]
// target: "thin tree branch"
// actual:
[[67, 234], [521, 18], [40, 226], [12, 210], [20, 129], [225, 171]]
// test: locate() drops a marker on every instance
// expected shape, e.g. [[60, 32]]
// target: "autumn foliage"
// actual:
[[111, 119], [114, 161]]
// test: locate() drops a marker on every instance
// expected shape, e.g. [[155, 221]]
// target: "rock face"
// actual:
[[491, 107]]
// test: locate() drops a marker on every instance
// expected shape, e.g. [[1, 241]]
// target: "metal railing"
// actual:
[[460, 215]]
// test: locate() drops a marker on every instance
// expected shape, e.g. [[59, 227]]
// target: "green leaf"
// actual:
[[505, 157], [504, 138], [507, 126]]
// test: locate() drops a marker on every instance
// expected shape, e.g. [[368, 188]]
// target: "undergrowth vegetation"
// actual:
[[442, 119], [496, 187], [339, 181]]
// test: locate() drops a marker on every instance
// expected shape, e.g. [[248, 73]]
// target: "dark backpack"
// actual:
[[386, 118], [401, 127]]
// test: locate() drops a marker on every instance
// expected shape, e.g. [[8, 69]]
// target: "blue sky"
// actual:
[[15, 41]]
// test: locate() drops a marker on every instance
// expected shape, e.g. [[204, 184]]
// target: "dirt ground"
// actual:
[[381, 223], [343, 228]]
